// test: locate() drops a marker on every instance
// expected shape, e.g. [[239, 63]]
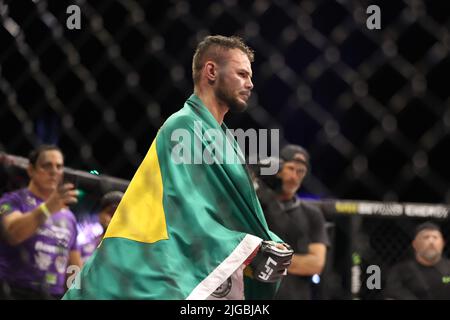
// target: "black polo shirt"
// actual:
[[299, 224]]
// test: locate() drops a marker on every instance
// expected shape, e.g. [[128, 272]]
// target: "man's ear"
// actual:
[[30, 170], [280, 170], [414, 244], [211, 71]]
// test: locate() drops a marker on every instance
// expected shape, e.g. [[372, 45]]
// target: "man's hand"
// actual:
[[271, 262], [62, 197]]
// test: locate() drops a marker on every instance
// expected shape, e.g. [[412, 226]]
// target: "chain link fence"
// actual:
[[371, 106]]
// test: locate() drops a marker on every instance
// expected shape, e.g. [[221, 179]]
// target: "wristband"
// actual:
[[45, 210]]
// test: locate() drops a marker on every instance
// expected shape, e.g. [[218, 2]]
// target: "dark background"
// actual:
[[371, 106]]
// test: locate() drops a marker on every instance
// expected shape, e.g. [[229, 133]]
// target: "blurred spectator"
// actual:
[[300, 224], [427, 277], [40, 231], [92, 228]]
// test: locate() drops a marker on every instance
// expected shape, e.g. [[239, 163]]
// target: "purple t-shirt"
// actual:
[[40, 262], [90, 234]]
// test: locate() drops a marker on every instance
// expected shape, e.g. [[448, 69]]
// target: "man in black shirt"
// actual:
[[428, 275], [298, 223]]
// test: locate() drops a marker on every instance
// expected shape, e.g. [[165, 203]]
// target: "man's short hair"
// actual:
[[426, 226], [110, 198], [213, 48], [34, 155]]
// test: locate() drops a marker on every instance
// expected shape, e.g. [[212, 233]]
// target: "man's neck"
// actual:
[[427, 263], [44, 195], [285, 196], [217, 109]]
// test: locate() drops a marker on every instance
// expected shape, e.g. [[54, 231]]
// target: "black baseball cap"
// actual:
[[112, 197], [291, 152], [426, 226]]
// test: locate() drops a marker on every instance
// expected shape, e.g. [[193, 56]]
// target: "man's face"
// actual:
[[429, 244], [292, 175], [48, 171], [234, 82]]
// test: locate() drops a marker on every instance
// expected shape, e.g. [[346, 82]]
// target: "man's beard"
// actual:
[[233, 103], [290, 189], [431, 255]]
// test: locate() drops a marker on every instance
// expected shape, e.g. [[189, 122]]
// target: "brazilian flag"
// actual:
[[182, 227]]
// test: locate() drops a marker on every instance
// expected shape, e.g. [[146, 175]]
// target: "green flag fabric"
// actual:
[[188, 220]]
